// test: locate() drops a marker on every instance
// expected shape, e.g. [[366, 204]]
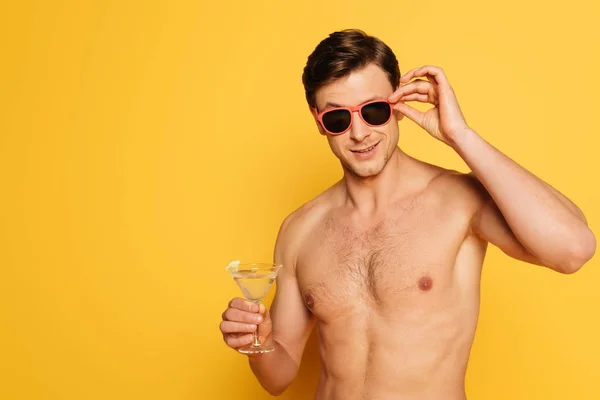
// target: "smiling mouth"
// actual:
[[368, 149]]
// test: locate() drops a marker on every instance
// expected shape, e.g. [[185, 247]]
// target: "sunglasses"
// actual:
[[337, 121]]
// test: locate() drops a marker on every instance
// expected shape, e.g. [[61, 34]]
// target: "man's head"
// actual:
[[347, 69]]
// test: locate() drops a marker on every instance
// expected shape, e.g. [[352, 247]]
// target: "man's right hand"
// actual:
[[240, 320]]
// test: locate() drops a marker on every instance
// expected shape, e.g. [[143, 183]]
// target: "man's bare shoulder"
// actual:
[[461, 191], [302, 221]]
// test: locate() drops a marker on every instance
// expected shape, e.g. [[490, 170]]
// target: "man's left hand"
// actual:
[[445, 120]]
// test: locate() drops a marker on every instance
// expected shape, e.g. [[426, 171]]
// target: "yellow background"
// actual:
[[143, 145]]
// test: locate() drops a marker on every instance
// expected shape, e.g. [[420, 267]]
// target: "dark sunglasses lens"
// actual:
[[336, 121], [377, 113]]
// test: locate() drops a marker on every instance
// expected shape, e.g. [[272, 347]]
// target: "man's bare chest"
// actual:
[[344, 265]]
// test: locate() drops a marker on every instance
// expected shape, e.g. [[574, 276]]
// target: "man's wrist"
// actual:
[[460, 139]]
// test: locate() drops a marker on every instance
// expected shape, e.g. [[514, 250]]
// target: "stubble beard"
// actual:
[[367, 171]]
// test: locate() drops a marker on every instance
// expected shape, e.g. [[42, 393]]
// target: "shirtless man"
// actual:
[[387, 261]]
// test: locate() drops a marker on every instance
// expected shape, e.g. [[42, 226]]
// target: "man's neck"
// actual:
[[373, 194]]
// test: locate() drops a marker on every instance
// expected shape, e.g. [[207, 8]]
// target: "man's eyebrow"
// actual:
[[335, 105], [328, 105]]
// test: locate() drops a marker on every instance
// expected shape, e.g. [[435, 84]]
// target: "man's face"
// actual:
[[370, 83]]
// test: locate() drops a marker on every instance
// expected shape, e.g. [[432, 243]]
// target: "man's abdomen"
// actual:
[[402, 351]]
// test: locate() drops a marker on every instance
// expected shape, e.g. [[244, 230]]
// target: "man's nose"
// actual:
[[359, 130]]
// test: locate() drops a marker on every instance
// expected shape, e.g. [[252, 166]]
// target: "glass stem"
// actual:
[[255, 341]]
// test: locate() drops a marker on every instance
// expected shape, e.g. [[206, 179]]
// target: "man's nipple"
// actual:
[[309, 300], [425, 283]]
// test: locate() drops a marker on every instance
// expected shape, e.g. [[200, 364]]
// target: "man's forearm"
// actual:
[[547, 224], [275, 370]]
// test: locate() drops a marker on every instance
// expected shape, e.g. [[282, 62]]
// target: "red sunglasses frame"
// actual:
[[352, 110]]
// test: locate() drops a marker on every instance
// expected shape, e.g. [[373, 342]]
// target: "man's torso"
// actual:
[[396, 299]]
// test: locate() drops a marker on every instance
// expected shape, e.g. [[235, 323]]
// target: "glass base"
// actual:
[[251, 349]]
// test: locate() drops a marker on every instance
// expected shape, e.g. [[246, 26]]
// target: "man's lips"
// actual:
[[365, 149]]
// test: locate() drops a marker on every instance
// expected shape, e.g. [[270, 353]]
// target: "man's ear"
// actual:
[[398, 115], [314, 113]]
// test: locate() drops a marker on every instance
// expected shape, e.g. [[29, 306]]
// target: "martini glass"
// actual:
[[255, 280]]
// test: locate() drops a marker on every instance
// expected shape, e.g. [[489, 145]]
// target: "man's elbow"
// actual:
[[581, 251], [278, 384], [276, 390]]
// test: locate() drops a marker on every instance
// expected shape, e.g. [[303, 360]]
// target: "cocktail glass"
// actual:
[[255, 280]]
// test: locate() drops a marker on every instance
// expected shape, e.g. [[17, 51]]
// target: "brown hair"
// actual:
[[342, 53]]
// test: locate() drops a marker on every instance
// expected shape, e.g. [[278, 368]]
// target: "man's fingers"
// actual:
[[423, 98], [412, 113], [418, 86], [435, 72], [236, 341], [407, 76], [243, 305], [235, 315], [431, 79], [237, 327]]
